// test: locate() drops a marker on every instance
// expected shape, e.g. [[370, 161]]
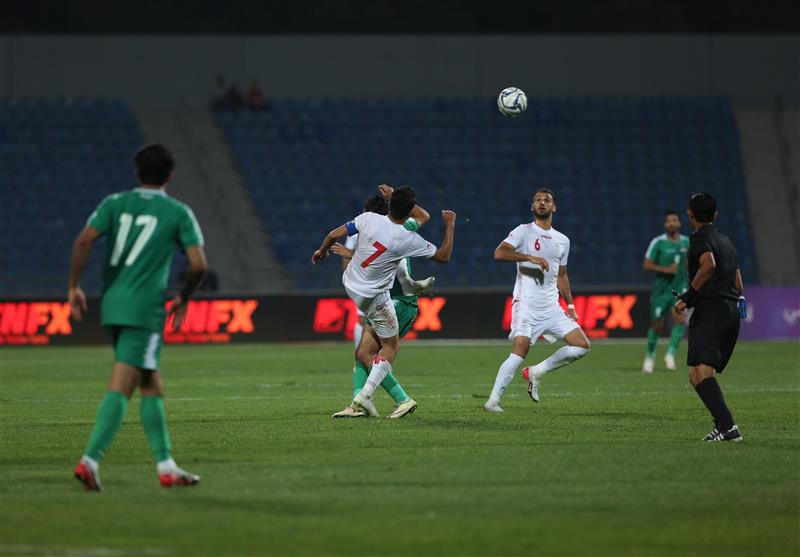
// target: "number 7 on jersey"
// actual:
[[379, 249]]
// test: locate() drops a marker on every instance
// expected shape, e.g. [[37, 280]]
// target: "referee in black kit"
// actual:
[[714, 293]]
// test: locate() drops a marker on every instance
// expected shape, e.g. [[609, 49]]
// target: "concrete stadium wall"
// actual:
[[154, 72]]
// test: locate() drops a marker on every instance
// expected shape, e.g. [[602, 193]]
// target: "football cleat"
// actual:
[[732, 434], [365, 404], [420, 286], [492, 407], [350, 412], [647, 366], [403, 409], [88, 476], [178, 478], [669, 361], [533, 383]]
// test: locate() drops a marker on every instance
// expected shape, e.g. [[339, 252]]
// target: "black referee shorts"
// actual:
[[713, 331]]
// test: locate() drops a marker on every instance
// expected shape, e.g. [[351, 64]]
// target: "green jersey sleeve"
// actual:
[[652, 249], [189, 233], [411, 225], [101, 218]]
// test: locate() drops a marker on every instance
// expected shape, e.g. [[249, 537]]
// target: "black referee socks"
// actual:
[[710, 393]]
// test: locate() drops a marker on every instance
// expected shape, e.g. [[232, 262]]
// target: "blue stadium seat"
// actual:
[[59, 158], [616, 165]]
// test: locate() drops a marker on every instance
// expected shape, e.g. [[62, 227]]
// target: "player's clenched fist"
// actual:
[[385, 191], [449, 217], [318, 256]]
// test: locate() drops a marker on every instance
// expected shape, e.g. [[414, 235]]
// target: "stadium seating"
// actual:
[[615, 165], [58, 159]]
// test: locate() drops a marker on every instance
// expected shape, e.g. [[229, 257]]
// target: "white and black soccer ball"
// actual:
[[512, 102]]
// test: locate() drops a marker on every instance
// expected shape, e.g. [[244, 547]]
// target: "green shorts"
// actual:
[[661, 305], [137, 347], [406, 315]]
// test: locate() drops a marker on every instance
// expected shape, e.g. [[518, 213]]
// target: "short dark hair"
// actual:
[[703, 206], [154, 163], [376, 204], [669, 212], [544, 190], [403, 200]]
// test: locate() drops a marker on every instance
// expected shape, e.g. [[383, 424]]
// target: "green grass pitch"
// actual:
[[609, 463]]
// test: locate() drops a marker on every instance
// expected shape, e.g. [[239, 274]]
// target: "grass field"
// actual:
[[609, 463]]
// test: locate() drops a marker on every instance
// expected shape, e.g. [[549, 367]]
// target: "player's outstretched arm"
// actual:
[[507, 252], [418, 213], [444, 252], [330, 239], [198, 267], [565, 291], [80, 254]]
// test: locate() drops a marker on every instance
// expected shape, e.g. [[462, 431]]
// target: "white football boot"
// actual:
[[647, 366], [365, 404], [420, 286], [492, 407], [350, 412], [669, 361], [403, 409], [533, 383]]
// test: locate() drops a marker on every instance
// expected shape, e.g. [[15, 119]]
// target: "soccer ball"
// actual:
[[512, 102]]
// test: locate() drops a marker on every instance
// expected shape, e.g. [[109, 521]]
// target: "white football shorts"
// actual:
[[553, 324], [379, 311]]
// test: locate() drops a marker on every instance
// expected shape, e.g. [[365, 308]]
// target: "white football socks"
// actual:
[[91, 463], [563, 356], [167, 466], [504, 376], [380, 369]]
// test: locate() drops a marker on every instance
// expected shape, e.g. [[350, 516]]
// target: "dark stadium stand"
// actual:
[[615, 165], [58, 159]]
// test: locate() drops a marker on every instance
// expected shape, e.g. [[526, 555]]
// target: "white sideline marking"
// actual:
[[51, 551], [482, 386]]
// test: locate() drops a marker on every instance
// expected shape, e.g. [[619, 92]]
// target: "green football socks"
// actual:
[[154, 421], [360, 374], [390, 384], [675, 337], [652, 340], [109, 418]]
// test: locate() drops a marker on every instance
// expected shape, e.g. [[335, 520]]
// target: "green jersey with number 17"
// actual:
[[143, 227]]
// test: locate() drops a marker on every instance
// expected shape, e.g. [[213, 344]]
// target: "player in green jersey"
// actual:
[[666, 257], [143, 227], [404, 294]]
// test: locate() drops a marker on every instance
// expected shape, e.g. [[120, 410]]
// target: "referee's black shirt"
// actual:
[[723, 283]]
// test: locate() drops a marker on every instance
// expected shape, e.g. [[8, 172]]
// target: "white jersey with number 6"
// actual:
[[381, 245], [538, 287]]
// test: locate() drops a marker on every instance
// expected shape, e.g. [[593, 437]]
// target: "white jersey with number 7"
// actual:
[[381, 245]]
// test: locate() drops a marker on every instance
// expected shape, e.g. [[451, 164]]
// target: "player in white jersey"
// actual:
[[541, 253], [375, 204], [383, 242]]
